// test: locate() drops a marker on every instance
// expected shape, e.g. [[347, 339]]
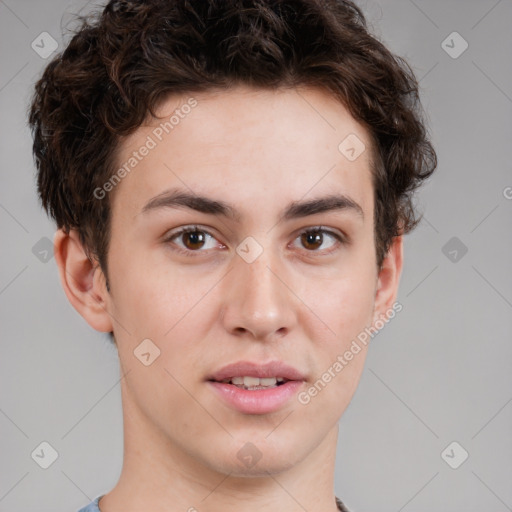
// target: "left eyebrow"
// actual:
[[323, 204], [176, 198]]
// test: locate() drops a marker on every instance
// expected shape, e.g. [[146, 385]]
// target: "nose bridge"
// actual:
[[258, 301]]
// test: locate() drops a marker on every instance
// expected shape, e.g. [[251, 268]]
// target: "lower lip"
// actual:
[[257, 401]]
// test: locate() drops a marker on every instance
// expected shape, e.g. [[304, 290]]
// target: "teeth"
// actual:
[[248, 382]]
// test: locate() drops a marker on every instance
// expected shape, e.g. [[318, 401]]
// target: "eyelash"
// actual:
[[193, 229]]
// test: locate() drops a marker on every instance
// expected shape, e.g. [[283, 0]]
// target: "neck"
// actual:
[[158, 475]]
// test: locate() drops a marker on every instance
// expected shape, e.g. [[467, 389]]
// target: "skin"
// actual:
[[303, 304]]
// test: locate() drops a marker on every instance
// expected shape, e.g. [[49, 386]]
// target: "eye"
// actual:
[[319, 238], [192, 239]]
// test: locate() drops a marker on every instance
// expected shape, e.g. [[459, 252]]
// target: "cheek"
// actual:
[[161, 393], [346, 307], [343, 307], [151, 298]]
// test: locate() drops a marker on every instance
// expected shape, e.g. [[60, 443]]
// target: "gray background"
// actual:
[[437, 373]]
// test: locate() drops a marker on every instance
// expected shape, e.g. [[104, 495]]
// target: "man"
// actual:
[[231, 182]]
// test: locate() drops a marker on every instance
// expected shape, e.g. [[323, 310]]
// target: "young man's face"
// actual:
[[263, 279]]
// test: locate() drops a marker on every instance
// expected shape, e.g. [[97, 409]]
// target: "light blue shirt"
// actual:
[[93, 506]]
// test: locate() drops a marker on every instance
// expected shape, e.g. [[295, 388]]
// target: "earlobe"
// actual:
[[389, 279], [82, 280]]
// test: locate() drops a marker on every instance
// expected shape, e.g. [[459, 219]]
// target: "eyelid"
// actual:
[[340, 237], [324, 229], [191, 228]]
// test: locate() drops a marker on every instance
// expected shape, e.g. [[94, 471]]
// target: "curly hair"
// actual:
[[125, 60]]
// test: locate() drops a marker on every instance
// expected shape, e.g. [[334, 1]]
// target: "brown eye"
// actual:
[[312, 239], [319, 240], [193, 239]]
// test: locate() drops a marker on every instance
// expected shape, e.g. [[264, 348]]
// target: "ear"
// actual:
[[389, 279], [83, 280]]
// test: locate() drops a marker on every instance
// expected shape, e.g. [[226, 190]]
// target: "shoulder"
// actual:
[[92, 507]]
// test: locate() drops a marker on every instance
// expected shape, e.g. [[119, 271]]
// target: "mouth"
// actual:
[[248, 373], [254, 383], [256, 389]]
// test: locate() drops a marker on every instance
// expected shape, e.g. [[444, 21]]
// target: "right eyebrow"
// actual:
[[179, 198]]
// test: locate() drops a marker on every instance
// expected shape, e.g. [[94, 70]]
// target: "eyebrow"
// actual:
[[176, 198]]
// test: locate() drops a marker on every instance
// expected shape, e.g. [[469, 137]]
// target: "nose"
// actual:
[[258, 302]]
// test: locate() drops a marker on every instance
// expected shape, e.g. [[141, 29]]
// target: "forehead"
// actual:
[[248, 145]]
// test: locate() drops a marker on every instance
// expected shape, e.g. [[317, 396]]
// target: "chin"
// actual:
[[263, 468], [257, 458]]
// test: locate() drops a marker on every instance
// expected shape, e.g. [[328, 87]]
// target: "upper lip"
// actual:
[[250, 369]]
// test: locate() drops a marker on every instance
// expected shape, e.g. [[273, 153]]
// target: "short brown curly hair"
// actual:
[[124, 61]]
